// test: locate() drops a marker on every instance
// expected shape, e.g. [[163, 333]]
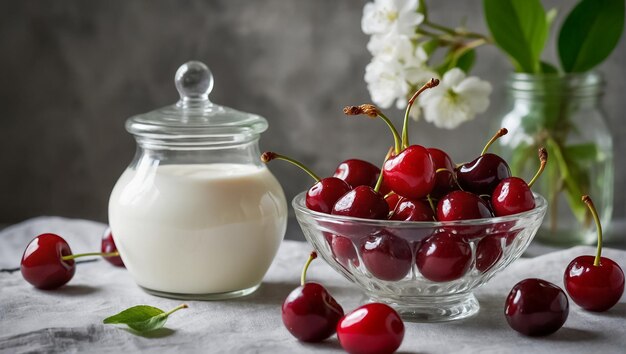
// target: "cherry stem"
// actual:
[[312, 256], [72, 256], [405, 126], [543, 157], [373, 112], [496, 136], [379, 181], [269, 156], [596, 218], [432, 206], [179, 307]]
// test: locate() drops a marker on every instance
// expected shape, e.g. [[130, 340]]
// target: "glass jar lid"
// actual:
[[194, 115]]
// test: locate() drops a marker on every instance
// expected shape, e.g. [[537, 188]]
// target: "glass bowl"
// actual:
[[425, 270]]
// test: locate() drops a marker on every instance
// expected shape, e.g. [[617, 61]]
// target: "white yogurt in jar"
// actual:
[[198, 229]]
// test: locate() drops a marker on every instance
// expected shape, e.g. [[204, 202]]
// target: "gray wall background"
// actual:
[[72, 71]]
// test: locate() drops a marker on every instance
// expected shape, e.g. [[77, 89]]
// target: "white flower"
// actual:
[[391, 16], [394, 72], [390, 45], [385, 80], [457, 99]]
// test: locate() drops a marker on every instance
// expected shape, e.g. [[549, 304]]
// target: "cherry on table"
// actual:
[[43, 264], [386, 256], [594, 283], [324, 193], [357, 172], [372, 328], [48, 262], [310, 313], [536, 307], [483, 174], [108, 246], [512, 195], [443, 257]]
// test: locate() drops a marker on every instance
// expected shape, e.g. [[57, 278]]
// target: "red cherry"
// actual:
[[536, 307], [443, 257], [392, 200], [444, 168], [386, 256], [362, 202], [323, 194], [461, 205], [512, 195], [411, 173], [310, 313], [594, 283], [42, 263], [489, 251], [594, 287], [343, 250], [108, 246], [484, 173], [371, 329], [357, 172], [409, 170], [413, 210]]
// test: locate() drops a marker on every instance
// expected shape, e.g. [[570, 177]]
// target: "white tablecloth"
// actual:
[[70, 319]]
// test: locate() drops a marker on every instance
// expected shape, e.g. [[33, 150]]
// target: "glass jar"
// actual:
[[197, 215], [564, 114]]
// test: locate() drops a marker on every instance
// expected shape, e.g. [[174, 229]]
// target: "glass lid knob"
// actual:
[[194, 81]]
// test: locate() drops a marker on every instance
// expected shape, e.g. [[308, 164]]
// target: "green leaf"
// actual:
[[423, 9], [582, 152], [551, 16], [462, 58], [590, 33], [521, 154], [573, 180], [142, 318], [548, 68], [520, 28], [466, 61], [430, 46]]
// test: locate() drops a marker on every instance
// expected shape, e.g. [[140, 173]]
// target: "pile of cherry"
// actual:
[[420, 184], [423, 184]]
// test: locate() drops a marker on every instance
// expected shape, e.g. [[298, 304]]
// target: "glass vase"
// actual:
[[564, 114]]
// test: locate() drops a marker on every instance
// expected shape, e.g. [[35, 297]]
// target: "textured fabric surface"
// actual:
[[70, 319]]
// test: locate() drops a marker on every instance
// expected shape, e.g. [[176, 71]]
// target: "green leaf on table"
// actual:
[[142, 318], [590, 33], [520, 28]]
